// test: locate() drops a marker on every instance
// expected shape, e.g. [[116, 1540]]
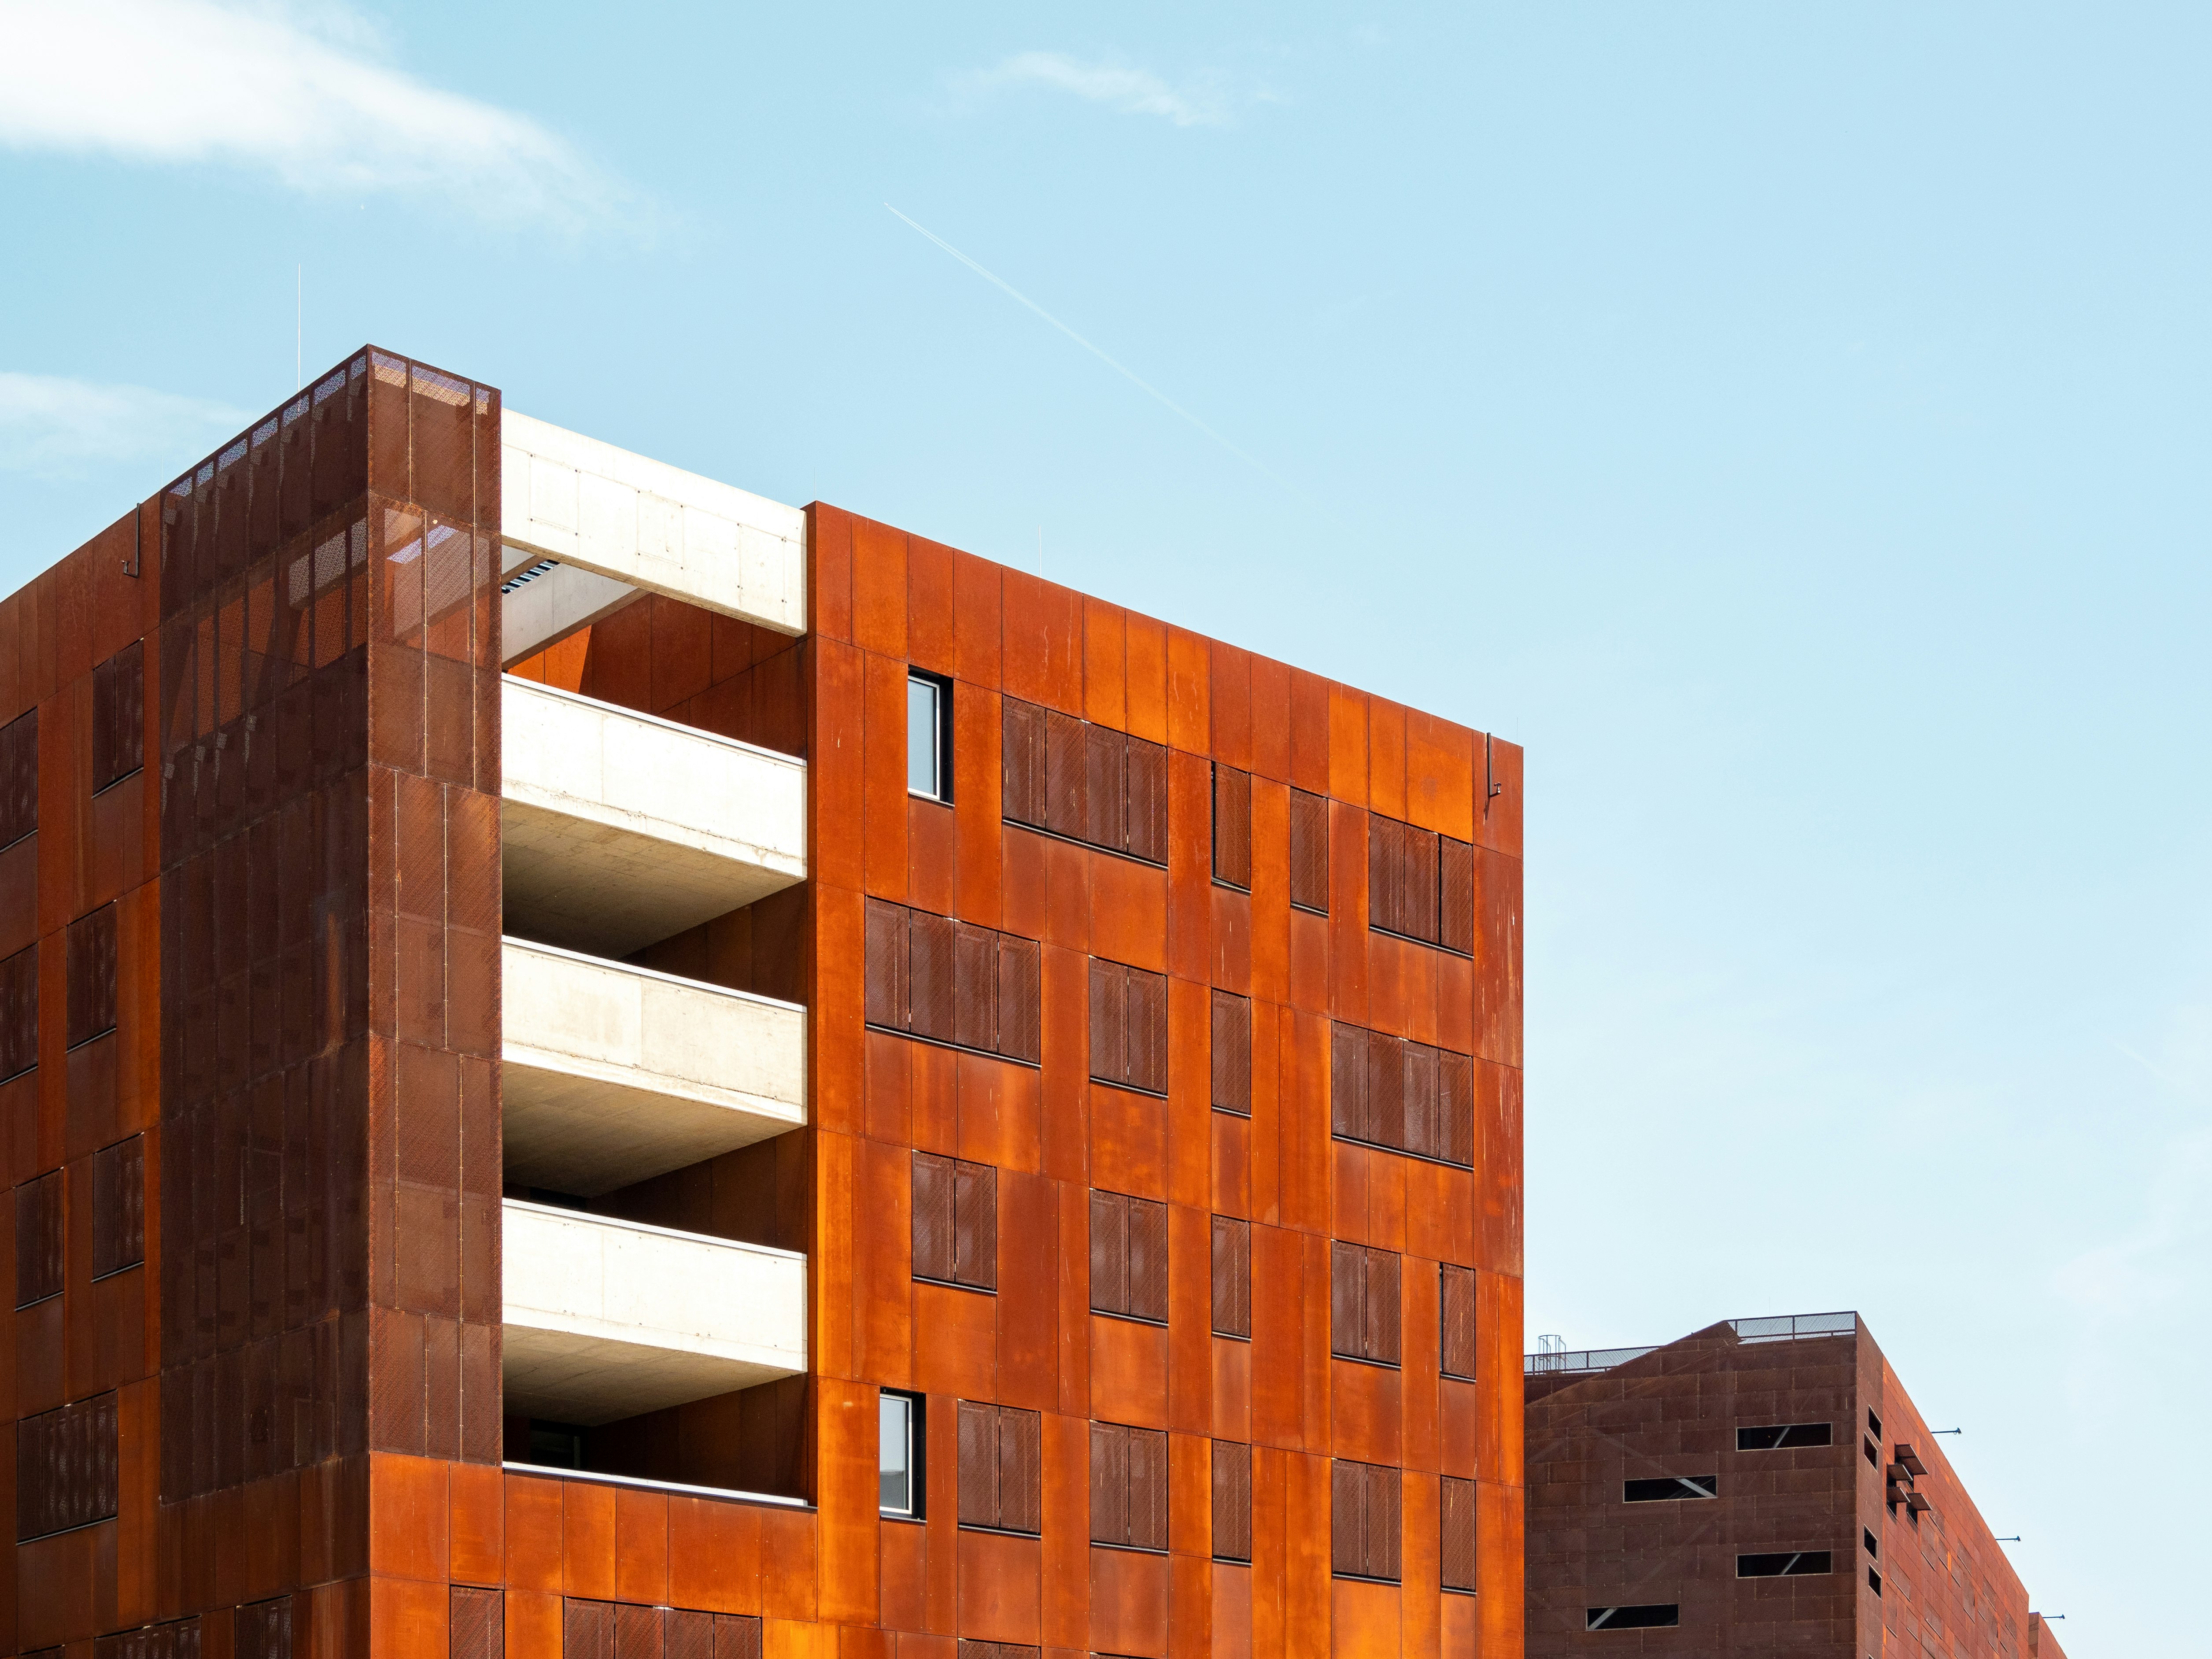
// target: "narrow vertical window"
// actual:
[[1456, 1535], [1232, 1053], [19, 778], [1232, 1277], [1232, 827], [119, 716], [38, 1239], [899, 1454], [92, 976], [1455, 1295], [19, 1013], [1308, 851], [1232, 1501], [928, 735], [118, 1206]]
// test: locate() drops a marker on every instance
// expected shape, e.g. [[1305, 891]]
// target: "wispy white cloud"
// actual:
[[1206, 102], [59, 428], [293, 92]]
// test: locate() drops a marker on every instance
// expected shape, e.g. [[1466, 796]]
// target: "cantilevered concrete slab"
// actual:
[[655, 526], [544, 601], [612, 1074], [606, 1319], [622, 829]]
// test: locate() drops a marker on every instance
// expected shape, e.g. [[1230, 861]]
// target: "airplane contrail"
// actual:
[[1134, 378]]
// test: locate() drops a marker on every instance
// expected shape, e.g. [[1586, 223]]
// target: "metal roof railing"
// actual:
[[1779, 1327]]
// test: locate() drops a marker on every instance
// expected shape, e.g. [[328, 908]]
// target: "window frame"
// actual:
[[940, 687], [917, 1455]]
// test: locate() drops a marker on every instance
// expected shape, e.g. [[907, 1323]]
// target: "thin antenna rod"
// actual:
[[299, 326]]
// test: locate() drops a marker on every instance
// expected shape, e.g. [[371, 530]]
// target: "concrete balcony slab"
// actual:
[[621, 830], [606, 1319], [612, 1074], [603, 509]]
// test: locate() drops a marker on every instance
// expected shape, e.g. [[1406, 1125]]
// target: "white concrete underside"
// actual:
[[611, 1074], [606, 1319], [552, 604], [621, 830], [584, 502]]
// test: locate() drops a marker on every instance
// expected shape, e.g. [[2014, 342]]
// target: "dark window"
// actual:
[[1872, 1457], [1232, 1501], [1089, 783], [65, 1468], [1002, 1473], [18, 1012], [1782, 1563], [1648, 1615], [1363, 1303], [1129, 1487], [118, 1206], [19, 778], [1668, 1487], [1783, 1437], [1309, 851], [948, 982], [92, 976], [556, 1445], [1232, 827], [1407, 1096], [900, 1444], [1420, 885], [1866, 1536], [38, 1239], [1232, 1277], [1128, 1257], [1874, 1581], [1455, 1295], [1874, 1425], [1128, 1027], [928, 735], [1363, 1517], [119, 716], [1456, 1535], [263, 1630], [956, 1222], [1232, 1053]]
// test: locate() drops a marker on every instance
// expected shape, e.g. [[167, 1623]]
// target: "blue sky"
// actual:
[[1789, 422]]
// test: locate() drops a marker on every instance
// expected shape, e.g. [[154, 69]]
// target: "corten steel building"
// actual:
[[1762, 1486], [593, 1064]]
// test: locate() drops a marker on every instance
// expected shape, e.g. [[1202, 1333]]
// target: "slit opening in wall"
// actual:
[[1670, 1488], [1784, 1437], [1648, 1615], [1784, 1563]]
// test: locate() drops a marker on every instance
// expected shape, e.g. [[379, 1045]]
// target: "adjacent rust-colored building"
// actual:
[[593, 1064], [1762, 1486]]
